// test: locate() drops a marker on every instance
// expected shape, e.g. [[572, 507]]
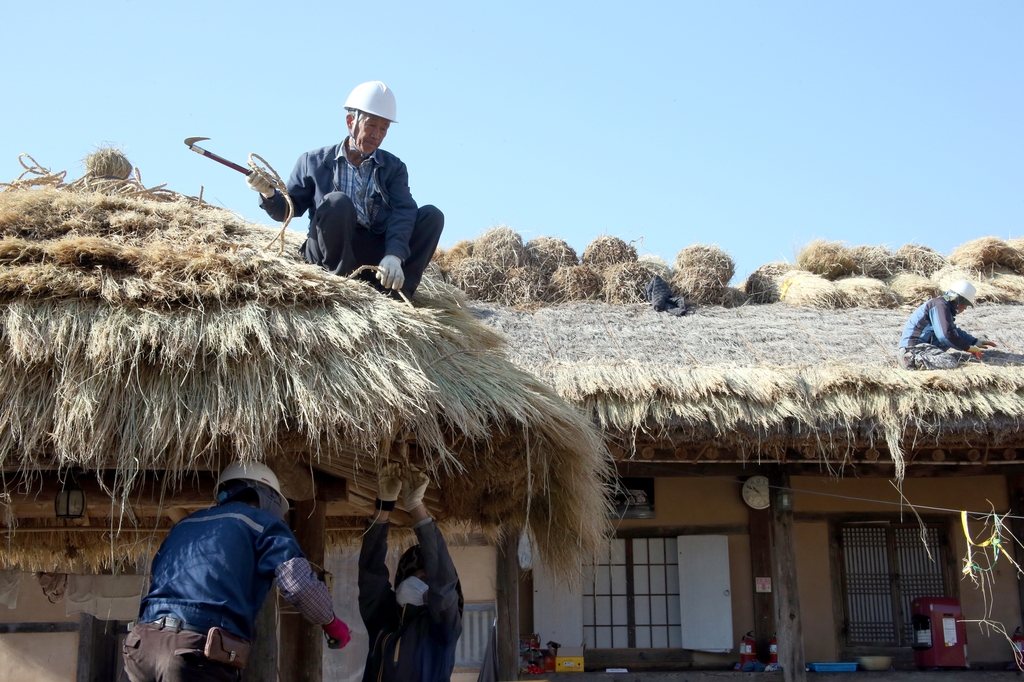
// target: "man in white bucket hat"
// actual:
[[931, 331], [361, 211]]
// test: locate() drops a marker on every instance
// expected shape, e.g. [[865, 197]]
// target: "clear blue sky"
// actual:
[[755, 125]]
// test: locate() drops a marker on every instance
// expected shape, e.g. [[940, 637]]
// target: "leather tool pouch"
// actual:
[[224, 647]]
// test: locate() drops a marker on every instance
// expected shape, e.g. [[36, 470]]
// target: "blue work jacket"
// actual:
[[933, 322], [392, 210], [216, 567]]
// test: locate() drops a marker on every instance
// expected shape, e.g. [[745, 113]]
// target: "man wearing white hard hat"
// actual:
[[931, 331], [361, 211], [210, 578]]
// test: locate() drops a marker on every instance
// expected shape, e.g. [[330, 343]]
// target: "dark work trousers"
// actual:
[[156, 654], [337, 242]]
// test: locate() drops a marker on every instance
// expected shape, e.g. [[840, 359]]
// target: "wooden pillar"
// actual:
[[761, 566], [785, 585], [1015, 484], [262, 665], [508, 606], [301, 656], [86, 638]]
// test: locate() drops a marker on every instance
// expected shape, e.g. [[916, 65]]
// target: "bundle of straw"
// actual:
[[913, 289], [500, 246], [919, 259], [574, 283], [625, 283], [521, 287], [1012, 287], [547, 254], [608, 250], [733, 297], [762, 285], [987, 255], [656, 265], [481, 280], [831, 260], [806, 289], [702, 272], [445, 259], [108, 163], [874, 261], [865, 292]]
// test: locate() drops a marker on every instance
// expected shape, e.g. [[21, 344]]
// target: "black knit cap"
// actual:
[[411, 561]]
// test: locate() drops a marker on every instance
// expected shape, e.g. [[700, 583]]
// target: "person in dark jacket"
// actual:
[[361, 211], [214, 571], [931, 331], [413, 628]]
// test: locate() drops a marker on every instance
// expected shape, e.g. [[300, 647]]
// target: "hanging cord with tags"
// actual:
[[264, 170]]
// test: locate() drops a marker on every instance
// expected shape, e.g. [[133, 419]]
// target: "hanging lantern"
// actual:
[[70, 500]]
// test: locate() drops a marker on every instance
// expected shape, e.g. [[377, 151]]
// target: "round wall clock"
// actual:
[[755, 492]]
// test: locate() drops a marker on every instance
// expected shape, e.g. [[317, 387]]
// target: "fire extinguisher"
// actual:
[[1018, 648], [748, 649], [773, 650]]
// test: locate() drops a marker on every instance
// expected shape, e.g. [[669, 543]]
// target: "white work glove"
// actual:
[[985, 343], [390, 274], [389, 483], [975, 351], [414, 487], [260, 184]]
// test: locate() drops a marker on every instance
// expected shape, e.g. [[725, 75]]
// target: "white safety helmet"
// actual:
[[373, 98], [962, 289], [260, 474]]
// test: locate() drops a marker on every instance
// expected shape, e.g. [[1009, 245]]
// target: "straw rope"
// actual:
[[259, 166], [34, 176], [363, 268]]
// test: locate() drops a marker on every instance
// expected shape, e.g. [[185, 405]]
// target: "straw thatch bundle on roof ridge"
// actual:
[[625, 283], [608, 250], [656, 265], [501, 246], [575, 283], [866, 292], [831, 260], [480, 280], [987, 255], [921, 260], [877, 262], [913, 289], [762, 285], [702, 272], [547, 254], [137, 335], [805, 289]]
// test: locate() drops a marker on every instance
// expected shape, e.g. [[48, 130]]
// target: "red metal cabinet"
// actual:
[[940, 634]]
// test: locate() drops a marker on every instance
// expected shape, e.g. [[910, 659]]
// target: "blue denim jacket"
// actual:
[[392, 208]]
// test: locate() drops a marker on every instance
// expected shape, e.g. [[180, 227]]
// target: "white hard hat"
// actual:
[[252, 471], [963, 289], [373, 98]]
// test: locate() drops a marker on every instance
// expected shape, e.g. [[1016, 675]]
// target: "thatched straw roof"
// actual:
[[760, 378], [138, 335]]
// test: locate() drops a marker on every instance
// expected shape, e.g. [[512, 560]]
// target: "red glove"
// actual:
[[337, 634]]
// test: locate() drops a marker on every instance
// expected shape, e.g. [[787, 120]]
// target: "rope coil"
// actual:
[[263, 170]]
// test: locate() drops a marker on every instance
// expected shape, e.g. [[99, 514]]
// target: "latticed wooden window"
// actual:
[[885, 566], [633, 599]]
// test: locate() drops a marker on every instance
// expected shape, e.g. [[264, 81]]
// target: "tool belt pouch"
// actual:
[[224, 647]]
